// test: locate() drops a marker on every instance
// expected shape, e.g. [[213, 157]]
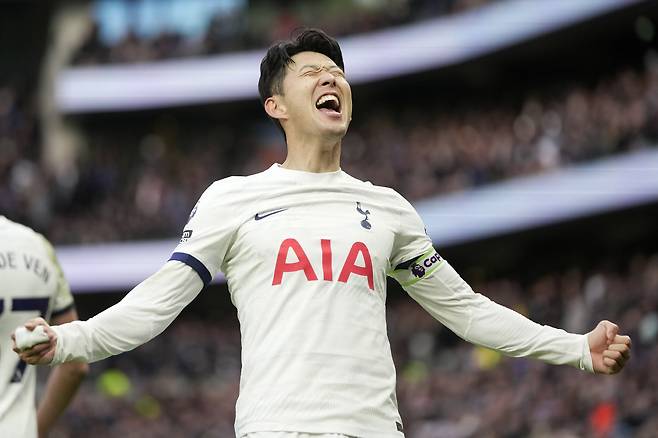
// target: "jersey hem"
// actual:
[[336, 428]]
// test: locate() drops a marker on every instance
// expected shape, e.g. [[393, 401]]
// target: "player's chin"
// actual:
[[335, 127]]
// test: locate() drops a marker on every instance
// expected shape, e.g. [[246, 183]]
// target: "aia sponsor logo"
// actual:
[[291, 257], [419, 268]]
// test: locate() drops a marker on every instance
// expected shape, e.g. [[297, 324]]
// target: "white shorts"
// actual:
[[294, 435]]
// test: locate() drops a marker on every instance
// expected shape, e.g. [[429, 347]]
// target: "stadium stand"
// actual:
[[185, 382], [140, 173], [415, 145]]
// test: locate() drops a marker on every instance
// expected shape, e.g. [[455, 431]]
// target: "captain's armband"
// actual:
[[416, 269]]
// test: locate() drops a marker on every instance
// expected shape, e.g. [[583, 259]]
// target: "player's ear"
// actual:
[[275, 108]]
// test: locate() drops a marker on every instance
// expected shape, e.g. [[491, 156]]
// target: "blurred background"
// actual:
[[525, 132]]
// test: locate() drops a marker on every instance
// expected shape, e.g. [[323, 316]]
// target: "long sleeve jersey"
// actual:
[[306, 256]]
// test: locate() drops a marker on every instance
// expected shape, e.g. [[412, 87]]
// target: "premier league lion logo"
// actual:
[[417, 270]]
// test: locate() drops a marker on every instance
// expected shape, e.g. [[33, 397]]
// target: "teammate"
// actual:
[[306, 250], [31, 283]]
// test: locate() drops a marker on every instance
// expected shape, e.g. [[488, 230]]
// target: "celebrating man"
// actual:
[[306, 249]]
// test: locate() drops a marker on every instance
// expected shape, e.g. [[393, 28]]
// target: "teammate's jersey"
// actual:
[[31, 285], [306, 257]]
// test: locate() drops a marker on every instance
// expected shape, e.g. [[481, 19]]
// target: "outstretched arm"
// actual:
[[63, 383], [477, 319], [139, 317]]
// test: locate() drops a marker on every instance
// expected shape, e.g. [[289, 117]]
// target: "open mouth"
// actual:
[[328, 104]]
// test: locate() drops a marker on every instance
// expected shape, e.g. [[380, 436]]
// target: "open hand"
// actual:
[[40, 354], [610, 351]]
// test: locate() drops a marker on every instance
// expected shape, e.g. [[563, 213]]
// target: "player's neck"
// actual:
[[313, 156]]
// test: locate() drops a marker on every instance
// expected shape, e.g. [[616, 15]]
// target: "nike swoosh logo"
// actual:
[[260, 216]]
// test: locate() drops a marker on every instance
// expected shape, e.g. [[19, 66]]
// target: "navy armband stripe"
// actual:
[[195, 264]]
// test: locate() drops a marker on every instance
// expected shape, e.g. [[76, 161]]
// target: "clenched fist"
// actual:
[[39, 354], [610, 351]]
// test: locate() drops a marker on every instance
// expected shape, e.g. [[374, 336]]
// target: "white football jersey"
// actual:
[[31, 285], [306, 257]]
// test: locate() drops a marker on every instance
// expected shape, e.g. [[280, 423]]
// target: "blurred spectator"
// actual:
[[25, 191]]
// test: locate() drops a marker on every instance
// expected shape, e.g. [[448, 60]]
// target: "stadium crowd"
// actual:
[[185, 382], [141, 181], [261, 23]]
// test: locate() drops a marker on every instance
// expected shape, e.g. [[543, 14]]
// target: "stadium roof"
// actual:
[[407, 49]]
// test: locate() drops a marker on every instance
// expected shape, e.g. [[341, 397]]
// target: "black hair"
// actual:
[[279, 56]]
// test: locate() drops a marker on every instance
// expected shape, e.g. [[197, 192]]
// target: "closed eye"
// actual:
[[312, 70], [309, 70]]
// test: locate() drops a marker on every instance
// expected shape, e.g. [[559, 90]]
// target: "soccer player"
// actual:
[[306, 249], [31, 284]]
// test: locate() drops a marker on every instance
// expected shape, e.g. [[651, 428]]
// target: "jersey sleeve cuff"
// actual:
[[586, 357], [59, 347], [195, 264]]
